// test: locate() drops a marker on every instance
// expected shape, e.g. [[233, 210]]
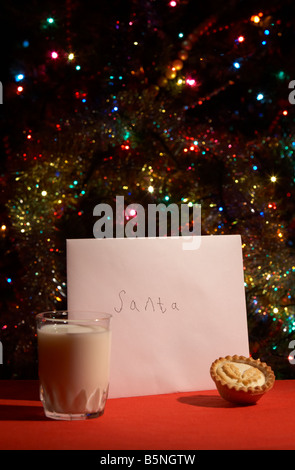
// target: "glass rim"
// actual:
[[96, 316]]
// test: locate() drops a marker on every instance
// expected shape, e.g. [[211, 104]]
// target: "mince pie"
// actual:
[[241, 380]]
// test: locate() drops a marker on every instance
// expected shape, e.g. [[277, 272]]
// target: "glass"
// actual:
[[73, 363]]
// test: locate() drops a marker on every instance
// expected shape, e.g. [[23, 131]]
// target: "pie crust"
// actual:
[[241, 380]]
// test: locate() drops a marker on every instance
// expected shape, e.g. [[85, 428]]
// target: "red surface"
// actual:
[[182, 421]]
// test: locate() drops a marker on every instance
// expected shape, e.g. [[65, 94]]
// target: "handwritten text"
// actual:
[[150, 304]]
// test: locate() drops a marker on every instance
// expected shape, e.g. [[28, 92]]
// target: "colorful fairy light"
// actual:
[[255, 19], [19, 77], [54, 55], [191, 82]]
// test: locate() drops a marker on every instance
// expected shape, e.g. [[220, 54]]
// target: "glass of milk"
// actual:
[[74, 363]]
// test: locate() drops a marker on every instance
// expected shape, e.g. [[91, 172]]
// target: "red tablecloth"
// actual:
[[195, 420]]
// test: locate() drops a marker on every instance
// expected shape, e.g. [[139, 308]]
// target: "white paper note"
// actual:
[[174, 310]]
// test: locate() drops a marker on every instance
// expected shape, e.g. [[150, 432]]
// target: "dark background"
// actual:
[[121, 123]]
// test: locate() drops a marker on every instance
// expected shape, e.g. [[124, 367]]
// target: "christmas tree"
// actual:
[[161, 102]]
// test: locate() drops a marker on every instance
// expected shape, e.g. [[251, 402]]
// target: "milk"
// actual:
[[74, 368]]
